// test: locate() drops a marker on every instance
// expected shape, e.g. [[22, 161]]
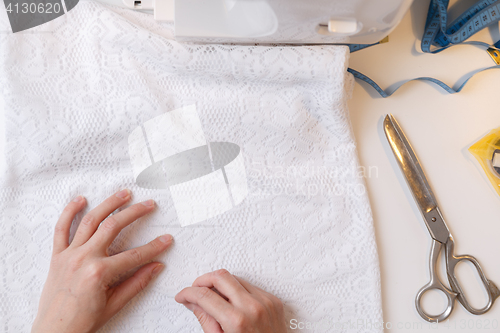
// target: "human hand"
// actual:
[[239, 308], [77, 296]]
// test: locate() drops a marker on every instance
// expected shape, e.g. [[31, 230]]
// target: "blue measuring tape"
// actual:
[[476, 18]]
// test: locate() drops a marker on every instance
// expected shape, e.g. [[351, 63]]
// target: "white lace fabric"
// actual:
[[73, 95]]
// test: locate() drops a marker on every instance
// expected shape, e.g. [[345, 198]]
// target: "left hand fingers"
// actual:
[[90, 222], [63, 225], [128, 289], [129, 259], [111, 227]]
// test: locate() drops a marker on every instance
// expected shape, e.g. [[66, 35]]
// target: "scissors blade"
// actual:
[[415, 177]]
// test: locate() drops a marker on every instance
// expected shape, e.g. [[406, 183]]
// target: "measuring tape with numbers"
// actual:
[[479, 16], [476, 18]]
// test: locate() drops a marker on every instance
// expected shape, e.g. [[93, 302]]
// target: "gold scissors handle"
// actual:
[[456, 291]]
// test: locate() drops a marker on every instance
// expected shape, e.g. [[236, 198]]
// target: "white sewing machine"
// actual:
[[276, 21]]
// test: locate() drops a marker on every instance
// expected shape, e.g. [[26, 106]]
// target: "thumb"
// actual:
[[132, 286], [207, 322]]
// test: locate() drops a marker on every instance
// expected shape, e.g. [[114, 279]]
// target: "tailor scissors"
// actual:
[[441, 236]]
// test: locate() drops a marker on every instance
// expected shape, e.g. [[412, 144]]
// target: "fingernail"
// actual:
[[157, 269], [78, 199], [123, 193], [165, 238], [148, 203]]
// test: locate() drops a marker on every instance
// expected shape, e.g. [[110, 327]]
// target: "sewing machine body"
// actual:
[[277, 21]]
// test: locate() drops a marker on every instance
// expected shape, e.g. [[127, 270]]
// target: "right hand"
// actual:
[[238, 307]]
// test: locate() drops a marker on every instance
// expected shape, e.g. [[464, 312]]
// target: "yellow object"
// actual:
[[494, 54], [385, 40], [487, 152]]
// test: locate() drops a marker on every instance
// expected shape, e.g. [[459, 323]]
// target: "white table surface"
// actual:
[[440, 127]]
